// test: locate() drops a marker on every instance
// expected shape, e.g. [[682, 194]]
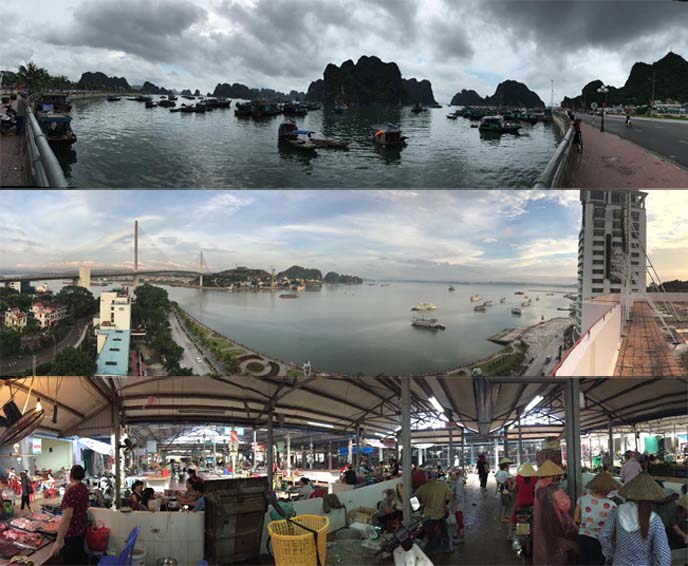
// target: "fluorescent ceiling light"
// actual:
[[532, 404], [397, 429], [435, 403], [320, 424]]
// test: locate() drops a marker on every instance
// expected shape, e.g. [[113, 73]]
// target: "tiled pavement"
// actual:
[[645, 351], [610, 162]]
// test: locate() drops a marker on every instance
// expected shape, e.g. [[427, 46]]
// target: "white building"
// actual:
[[603, 235], [48, 315], [14, 318], [115, 314]]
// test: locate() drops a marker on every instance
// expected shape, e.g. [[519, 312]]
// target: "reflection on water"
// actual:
[[123, 144]]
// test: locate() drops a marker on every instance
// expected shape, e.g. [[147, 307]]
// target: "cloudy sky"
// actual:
[[284, 44], [527, 236]]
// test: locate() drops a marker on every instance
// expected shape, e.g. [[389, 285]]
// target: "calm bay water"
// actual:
[[123, 144], [366, 329]]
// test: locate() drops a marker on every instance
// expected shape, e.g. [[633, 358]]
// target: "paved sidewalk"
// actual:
[[12, 172], [610, 162]]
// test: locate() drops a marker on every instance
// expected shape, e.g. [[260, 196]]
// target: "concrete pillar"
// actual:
[[506, 445], [572, 435], [406, 444], [289, 454], [329, 455], [472, 456], [610, 441], [450, 457], [117, 454], [520, 441], [380, 455], [269, 445], [496, 453], [420, 457]]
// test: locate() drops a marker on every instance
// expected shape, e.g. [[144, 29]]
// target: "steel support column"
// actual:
[[450, 455], [270, 444], [520, 441], [610, 441], [463, 447], [572, 435], [406, 446]]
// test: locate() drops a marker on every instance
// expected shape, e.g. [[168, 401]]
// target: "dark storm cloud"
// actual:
[[573, 25], [449, 39], [151, 29], [282, 37]]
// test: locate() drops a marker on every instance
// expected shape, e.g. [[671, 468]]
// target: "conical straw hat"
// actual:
[[506, 461], [548, 469], [603, 482], [526, 470], [642, 488]]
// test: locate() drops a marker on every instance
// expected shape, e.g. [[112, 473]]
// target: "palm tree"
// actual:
[[32, 76]]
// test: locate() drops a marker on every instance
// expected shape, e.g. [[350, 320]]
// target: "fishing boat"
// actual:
[[114, 98], [295, 109], [502, 300], [52, 114], [424, 307], [519, 293], [289, 134], [418, 108], [288, 296], [452, 289], [525, 304], [387, 135], [453, 115], [480, 308], [167, 103], [475, 298], [516, 310], [497, 125]]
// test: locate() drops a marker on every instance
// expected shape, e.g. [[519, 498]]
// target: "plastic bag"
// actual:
[[97, 537]]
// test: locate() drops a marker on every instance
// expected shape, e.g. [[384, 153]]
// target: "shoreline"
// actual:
[[507, 350]]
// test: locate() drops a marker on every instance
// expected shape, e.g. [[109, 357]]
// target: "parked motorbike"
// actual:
[[523, 532], [8, 121], [401, 544]]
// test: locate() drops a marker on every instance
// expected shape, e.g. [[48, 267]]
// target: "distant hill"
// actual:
[[671, 82], [467, 98], [185, 92], [369, 81], [100, 81], [238, 90], [508, 93], [674, 286], [150, 88], [334, 278], [298, 272]]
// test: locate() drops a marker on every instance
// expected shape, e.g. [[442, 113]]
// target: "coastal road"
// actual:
[[191, 352], [15, 366], [666, 138]]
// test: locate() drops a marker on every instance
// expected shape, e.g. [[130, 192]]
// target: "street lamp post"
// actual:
[[603, 90]]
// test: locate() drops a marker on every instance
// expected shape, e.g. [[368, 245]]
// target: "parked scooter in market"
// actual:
[[401, 544], [523, 533]]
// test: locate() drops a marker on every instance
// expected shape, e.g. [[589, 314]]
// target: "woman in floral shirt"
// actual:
[[72, 532]]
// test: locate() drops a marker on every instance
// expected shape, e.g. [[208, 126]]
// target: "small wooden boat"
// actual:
[[387, 135], [114, 98], [480, 308], [288, 296], [516, 311], [498, 125]]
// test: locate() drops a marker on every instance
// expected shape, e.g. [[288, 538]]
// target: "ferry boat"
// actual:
[[516, 310], [475, 298], [424, 307], [430, 323]]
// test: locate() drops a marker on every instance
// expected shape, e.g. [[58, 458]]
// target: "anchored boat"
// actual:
[[502, 300], [497, 125], [387, 135], [452, 289], [424, 307], [475, 298], [52, 114], [516, 310], [480, 308]]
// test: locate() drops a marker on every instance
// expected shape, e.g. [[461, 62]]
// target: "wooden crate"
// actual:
[[363, 515], [234, 514]]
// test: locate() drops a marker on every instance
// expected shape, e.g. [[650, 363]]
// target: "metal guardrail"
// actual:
[[45, 167], [553, 174]]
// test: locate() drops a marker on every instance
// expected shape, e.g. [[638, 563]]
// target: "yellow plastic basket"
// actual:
[[294, 546]]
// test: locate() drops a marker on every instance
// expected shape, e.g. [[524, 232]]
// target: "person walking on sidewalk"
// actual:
[[22, 107], [578, 135]]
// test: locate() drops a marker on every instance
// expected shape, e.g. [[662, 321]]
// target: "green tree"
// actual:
[[73, 362], [10, 298], [32, 76], [79, 301], [10, 343]]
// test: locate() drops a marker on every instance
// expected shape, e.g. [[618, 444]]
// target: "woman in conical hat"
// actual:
[[525, 491], [592, 510], [633, 534], [505, 487], [554, 534]]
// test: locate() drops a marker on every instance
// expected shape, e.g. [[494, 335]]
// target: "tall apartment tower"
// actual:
[[606, 231]]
